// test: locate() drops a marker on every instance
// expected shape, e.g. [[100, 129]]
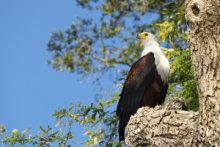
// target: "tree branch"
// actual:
[[160, 127], [75, 142], [111, 135]]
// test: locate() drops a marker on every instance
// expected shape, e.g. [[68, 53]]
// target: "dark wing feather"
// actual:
[[139, 77]]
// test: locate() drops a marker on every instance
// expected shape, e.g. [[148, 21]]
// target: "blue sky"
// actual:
[[30, 90]]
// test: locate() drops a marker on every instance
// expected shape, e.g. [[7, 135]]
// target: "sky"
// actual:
[[30, 90]]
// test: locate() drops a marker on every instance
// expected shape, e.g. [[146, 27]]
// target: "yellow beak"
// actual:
[[141, 36]]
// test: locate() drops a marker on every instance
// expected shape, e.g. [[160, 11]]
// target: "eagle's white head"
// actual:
[[147, 38]]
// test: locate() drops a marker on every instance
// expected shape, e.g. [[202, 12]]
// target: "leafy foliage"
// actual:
[[107, 47]]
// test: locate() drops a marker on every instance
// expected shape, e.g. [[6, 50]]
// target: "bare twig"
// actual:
[[75, 142], [97, 78], [179, 87], [2, 140], [111, 135], [67, 138]]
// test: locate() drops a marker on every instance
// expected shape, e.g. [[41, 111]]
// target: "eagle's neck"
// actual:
[[161, 62]]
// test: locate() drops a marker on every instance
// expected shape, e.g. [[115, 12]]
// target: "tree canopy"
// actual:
[[108, 47]]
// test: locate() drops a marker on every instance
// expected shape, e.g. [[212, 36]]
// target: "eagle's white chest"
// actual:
[[161, 62]]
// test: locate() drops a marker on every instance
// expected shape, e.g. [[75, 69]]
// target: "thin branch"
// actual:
[[178, 87], [97, 78], [48, 141], [111, 135], [67, 133], [76, 143], [2, 142]]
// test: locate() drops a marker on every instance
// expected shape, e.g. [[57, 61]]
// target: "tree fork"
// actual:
[[162, 127]]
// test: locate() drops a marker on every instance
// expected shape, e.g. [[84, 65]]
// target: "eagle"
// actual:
[[146, 83]]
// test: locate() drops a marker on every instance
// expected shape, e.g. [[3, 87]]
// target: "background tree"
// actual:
[[108, 47]]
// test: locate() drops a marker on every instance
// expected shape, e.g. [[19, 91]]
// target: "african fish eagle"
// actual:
[[146, 83]]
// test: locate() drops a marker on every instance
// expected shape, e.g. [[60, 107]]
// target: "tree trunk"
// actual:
[[203, 21], [161, 127]]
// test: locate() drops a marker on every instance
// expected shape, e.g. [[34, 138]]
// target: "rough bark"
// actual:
[[174, 104], [162, 127], [203, 21]]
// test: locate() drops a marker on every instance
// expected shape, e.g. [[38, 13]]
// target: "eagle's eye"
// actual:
[[146, 34]]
